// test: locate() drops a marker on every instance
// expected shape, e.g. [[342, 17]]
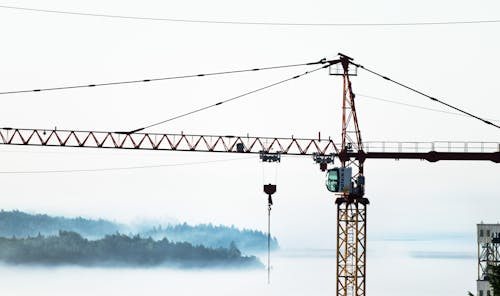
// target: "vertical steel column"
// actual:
[[351, 206], [351, 246]]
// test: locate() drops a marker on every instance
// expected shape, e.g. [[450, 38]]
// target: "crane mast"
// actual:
[[351, 203]]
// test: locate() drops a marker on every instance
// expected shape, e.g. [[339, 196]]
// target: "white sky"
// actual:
[[458, 64]]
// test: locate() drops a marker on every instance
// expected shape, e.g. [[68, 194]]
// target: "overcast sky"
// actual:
[[456, 63]]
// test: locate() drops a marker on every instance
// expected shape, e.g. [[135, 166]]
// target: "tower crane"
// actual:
[[347, 181]]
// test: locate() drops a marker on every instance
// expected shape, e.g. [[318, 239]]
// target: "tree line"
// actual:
[[21, 225], [248, 240], [118, 250]]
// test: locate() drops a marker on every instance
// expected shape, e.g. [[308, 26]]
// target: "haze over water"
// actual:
[[394, 268]]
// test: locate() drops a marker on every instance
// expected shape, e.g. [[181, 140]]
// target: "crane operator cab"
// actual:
[[339, 179]]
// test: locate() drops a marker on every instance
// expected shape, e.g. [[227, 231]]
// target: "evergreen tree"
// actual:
[[494, 275], [493, 278]]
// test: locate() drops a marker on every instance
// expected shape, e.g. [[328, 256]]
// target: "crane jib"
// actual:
[[430, 151]]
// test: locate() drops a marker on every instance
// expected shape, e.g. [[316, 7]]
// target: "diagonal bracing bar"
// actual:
[[166, 142]]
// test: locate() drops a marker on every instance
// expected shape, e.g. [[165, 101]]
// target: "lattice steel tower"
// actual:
[[488, 254], [351, 203]]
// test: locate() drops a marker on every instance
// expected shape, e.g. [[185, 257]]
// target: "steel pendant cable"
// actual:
[[428, 96], [229, 99], [92, 85]]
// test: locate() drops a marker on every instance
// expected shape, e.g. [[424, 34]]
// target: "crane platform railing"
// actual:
[[438, 146]]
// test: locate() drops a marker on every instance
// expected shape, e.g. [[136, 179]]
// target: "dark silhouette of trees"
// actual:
[[494, 276], [247, 240], [118, 249], [22, 225]]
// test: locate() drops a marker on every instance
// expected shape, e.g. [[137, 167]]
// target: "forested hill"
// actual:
[[22, 225], [69, 248], [210, 235]]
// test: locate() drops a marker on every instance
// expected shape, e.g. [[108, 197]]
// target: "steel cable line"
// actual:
[[255, 23], [120, 168], [427, 96], [415, 106], [322, 61], [228, 100]]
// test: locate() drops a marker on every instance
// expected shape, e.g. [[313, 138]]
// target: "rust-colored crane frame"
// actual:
[[431, 151], [351, 205]]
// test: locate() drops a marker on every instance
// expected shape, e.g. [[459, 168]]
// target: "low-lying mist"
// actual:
[[37, 239], [70, 248]]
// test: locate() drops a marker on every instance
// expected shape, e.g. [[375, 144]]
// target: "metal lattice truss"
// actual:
[[172, 142], [431, 151], [351, 247], [351, 136], [489, 255]]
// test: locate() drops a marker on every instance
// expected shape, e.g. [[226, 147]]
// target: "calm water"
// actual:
[[394, 268]]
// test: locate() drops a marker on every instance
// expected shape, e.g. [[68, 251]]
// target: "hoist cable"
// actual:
[[427, 96], [322, 61], [269, 203], [228, 100]]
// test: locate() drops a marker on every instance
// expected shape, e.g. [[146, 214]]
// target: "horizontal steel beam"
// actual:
[[431, 156]]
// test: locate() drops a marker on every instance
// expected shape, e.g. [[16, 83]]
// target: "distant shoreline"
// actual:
[[118, 250]]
